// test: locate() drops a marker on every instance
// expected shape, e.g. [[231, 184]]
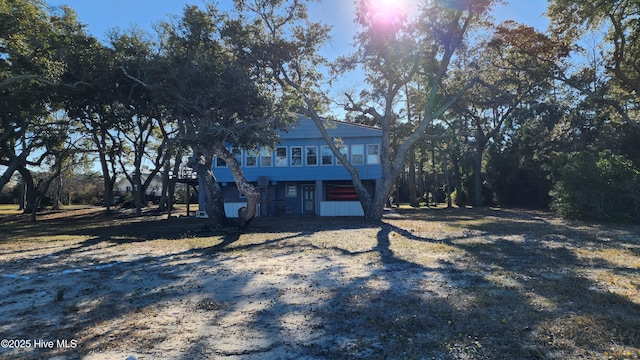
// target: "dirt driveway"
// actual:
[[429, 284]]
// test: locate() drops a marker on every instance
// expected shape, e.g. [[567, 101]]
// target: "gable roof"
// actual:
[[305, 128]]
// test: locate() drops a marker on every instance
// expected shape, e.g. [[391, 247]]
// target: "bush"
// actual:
[[595, 186]]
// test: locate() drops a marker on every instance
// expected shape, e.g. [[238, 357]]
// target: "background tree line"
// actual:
[[472, 112]]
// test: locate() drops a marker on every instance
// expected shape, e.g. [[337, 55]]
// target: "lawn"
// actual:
[[9, 209], [422, 284]]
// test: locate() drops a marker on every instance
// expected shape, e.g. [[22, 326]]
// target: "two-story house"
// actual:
[[301, 175]]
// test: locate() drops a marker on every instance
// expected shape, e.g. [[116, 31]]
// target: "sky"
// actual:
[[100, 16]]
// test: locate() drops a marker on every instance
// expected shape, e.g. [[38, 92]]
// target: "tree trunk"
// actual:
[[138, 190], [15, 162], [421, 176], [35, 194], [31, 193], [455, 166], [214, 204], [447, 181], [172, 183], [164, 193], [252, 193], [41, 192], [108, 181], [57, 194], [413, 198], [374, 209], [477, 176], [23, 194]]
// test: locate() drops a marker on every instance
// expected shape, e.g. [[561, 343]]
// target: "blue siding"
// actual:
[[305, 133]]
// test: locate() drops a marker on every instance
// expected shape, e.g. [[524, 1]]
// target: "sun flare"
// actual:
[[390, 5], [387, 12]]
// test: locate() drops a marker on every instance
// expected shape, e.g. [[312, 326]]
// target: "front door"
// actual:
[[309, 199]]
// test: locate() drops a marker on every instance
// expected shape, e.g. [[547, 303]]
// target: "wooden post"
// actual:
[[188, 200]]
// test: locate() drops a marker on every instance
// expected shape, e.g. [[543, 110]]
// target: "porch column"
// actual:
[[319, 195]]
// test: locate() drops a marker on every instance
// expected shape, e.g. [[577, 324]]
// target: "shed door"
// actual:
[[308, 199]]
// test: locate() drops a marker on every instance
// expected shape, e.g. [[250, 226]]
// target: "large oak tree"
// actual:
[[393, 51]]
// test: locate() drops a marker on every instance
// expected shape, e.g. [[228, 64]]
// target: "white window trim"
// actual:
[[361, 154], [263, 154], [306, 157], [344, 150], [301, 155], [286, 158], [377, 155], [322, 156], [250, 154]]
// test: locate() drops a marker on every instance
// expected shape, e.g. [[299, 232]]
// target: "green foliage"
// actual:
[[596, 186], [206, 80]]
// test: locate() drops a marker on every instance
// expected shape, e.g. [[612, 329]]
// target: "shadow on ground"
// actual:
[[491, 285]]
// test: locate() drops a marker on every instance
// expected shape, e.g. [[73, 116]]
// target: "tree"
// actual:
[[142, 124], [37, 46], [507, 89], [596, 186], [59, 156], [29, 70], [592, 48], [94, 106], [392, 50], [520, 159], [615, 22], [219, 98]]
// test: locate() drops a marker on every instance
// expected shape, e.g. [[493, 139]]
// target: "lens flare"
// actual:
[[387, 12]]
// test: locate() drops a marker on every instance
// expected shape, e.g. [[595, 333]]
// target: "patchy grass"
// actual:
[[422, 284], [9, 209]]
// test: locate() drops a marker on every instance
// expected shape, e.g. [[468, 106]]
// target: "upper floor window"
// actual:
[[220, 162], [327, 156], [373, 154], [266, 158], [251, 159], [281, 156], [312, 155], [296, 156], [357, 154], [344, 150]]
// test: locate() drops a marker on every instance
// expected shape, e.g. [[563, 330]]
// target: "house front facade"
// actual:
[[301, 176]]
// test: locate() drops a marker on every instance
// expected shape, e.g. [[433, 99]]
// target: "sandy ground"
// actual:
[[306, 291], [156, 300]]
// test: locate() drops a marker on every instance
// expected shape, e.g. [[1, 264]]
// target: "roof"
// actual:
[[305, 128]]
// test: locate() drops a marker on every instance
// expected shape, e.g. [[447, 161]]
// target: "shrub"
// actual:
[[595, 186]]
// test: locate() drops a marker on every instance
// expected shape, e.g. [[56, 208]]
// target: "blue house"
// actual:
[[301, 175]]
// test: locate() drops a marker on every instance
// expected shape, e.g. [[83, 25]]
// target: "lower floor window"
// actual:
[[291, 191]]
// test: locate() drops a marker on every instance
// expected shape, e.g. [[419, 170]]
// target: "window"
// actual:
[[266, 158], [220, 162], [344, 150], [291, 191], [281, 156], [373, 154], [251, 160], [237, 153], [327, 156], [357, 154], [312, 155], [296, 156]]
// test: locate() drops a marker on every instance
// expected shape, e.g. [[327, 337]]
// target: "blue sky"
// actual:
[[102, 15]]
